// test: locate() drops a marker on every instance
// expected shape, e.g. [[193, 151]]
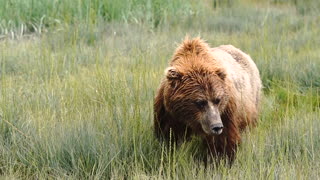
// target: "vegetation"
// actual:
[[77, 81]]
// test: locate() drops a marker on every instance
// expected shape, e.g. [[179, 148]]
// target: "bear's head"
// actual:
[[196, 96]]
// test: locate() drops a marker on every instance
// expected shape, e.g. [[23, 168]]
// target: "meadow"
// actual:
[[78, 78]]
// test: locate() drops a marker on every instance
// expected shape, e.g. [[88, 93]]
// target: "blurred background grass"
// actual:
[[77, 81]]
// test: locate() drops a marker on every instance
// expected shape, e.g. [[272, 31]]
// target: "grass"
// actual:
[[77, 87]]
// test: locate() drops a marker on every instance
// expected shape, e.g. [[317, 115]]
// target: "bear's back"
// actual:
[[242, 71], [242, 58]]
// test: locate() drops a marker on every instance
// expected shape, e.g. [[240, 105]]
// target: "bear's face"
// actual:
[[196, 98]]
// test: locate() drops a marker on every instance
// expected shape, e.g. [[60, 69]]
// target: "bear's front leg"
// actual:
[[225, 144]]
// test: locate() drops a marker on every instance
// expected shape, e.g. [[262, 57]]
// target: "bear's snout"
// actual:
[[216, 128]]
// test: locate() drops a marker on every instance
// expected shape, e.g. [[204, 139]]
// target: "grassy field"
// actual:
[[77, 81]]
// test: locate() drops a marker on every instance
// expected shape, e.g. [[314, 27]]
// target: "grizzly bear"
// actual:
[[213, 93]]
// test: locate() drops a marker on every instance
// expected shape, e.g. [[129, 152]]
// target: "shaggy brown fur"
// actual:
[[200, 78]]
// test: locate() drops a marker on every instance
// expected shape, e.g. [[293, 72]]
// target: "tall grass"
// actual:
[[25, 16], [76, 101]]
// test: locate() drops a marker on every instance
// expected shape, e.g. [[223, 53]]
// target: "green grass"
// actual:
[[77, 87]]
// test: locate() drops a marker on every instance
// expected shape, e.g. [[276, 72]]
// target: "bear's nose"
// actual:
[[217, 128]]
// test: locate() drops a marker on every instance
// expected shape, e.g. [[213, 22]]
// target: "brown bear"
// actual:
[[210, 92]]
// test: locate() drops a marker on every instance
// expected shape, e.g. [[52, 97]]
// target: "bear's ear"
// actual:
[[221, 74], [172, 73]]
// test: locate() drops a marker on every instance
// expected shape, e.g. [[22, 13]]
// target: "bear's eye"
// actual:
[[216, 101], [201, 103]]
